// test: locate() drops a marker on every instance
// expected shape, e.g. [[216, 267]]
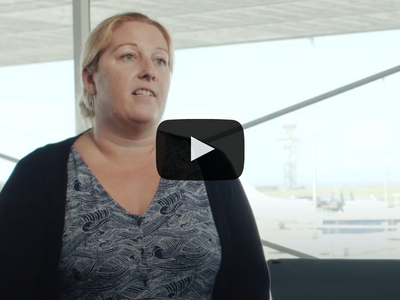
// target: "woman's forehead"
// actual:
[[138, 33]]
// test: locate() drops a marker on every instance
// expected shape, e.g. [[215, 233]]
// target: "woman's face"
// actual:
[[133, 77]]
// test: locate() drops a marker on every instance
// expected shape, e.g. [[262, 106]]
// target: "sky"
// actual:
[[351, 139]]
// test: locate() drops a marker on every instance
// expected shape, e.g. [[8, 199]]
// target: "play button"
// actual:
[[200, 149]]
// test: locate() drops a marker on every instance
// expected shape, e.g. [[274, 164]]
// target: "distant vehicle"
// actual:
[[331, 203]]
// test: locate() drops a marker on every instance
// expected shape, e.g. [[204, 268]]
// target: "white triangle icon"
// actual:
[[198, 148]]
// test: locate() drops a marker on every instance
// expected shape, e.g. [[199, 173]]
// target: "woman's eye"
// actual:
[[161, 61], [128, 56]]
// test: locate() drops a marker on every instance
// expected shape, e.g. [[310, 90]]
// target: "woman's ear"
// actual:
[[88, 82]]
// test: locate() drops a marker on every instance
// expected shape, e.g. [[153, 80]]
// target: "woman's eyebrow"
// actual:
[[160, 48], [135, 45], [131, 44]]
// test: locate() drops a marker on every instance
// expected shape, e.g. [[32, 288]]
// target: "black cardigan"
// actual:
[[32, 210]]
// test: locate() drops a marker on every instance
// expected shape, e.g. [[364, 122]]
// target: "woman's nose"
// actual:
[[148, 71]]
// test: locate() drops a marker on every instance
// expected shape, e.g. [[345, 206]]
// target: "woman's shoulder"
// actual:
[[49, 152]]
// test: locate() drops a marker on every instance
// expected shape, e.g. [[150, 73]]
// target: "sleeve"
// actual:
[[248, 254], [243, 271], [22, 234]]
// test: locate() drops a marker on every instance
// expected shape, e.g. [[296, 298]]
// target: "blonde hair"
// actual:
[[98, 41]]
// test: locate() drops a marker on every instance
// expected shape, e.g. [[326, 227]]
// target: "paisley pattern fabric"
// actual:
[[172, 251]]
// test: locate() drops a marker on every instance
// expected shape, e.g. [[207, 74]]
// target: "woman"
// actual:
[[90, 218]]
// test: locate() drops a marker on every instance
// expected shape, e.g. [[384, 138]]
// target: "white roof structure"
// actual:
[[34, 31]]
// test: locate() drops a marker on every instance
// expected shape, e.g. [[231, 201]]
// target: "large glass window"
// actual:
[[36, 108], [36, 75], [329, 165], [306, 173]]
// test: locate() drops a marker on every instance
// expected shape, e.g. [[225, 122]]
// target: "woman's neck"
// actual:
[[122, 147]]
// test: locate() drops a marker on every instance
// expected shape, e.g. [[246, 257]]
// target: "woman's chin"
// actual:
[[144, 119]]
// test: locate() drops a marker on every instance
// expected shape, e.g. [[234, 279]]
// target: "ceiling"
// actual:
[[34, 31]]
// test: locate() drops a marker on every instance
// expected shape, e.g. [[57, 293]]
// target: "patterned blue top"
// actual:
[[172, 251]]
